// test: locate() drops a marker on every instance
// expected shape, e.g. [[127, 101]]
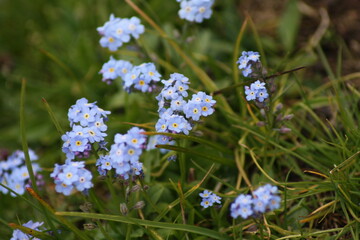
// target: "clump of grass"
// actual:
[[278, 166]]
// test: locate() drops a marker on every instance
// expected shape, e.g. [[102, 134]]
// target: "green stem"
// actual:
[[25, 148], [182, 162]]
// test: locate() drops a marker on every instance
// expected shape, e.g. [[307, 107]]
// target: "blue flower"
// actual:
[[142, 77], [177, 123], [135, 27], [14, 173], [250, 93], [68, 175], [161, 125], [265, 199], [110, 70], [196, 10], [104, 163], [177, 104], [246, 61], [193, 110], [258, 85], [71, 175], [209, 198], [117, 31], [256, 91], [84, 180], [61, 187], [262, 95], [19, 235]]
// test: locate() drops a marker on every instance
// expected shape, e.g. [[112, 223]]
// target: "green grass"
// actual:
[[54, 48]]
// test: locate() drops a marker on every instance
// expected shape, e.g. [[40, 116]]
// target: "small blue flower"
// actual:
[[84, 180], [161, 125], [262, 95], [206, 203], [250, 93], [61, 187], [110, 70], [135, 27], [68, 175], [205, 194], [265, 199], [117, 31], [104, 163], [196, 10], [19, 235], [258, 85], [246, 61], [209, 198], [193, 110]]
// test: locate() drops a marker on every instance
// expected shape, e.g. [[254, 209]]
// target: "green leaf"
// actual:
[[217, 159], [173, 226], [289, 25]]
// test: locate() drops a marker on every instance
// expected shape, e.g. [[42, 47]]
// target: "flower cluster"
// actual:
[[114, 69], [209, 198], [117, 31], [175, 112], [265, 199], [19, 235], [142, 77], [195, 10], [71, 175], [87, 122], [256, 91], [14, 173], [250, 64], [124, 154], [248, 61]]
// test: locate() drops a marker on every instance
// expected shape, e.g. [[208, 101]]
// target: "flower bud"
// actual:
[[124, 209], [86, 207], [288, 117], [89, 226], [139, 205], [284, 129], [260, 124], [135, 188]]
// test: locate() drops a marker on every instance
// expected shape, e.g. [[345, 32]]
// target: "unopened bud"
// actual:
[[135, 188], [260, 124], [279, 118], [288, 117], [124, 209], [284, 129], [86, 207], [89, 226], [139, 205], [146, 187], [262, 112], [279, 107]]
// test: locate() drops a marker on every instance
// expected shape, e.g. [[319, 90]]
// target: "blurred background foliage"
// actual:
[[54, 46]]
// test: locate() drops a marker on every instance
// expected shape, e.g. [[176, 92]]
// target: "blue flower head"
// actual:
[[247, 60], [19, 235], [195, 10], [264, 200], [117, 31], [70, 176], [257, 91], [209, 198]]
